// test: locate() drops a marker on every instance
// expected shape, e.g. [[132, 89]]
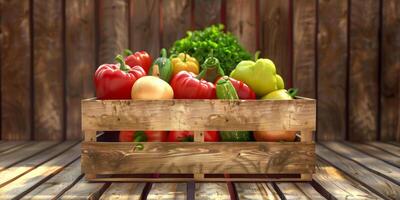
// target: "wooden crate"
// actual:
[[199, 160]]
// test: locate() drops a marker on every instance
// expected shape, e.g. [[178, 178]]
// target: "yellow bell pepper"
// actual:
[[184, 62]]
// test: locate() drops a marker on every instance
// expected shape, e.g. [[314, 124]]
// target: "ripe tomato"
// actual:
[[126, 136], [150, 136], [187, 136]]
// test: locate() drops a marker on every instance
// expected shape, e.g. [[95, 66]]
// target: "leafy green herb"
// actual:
[[212, 41]]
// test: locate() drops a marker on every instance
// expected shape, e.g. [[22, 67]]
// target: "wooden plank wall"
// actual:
[[345, 53]]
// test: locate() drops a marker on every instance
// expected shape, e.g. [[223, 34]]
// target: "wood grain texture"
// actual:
[[255, 191], [123, 191], [239, 158], [206, 13], [378, 166], [377, 153], [298, 191], [390, 71], [304, 42], [294, 115], [175, 20], [57, 184], [27, 182], [378, 184], [332, 69], [12, 158], [395, 150], [241, 21], [113, 29], [276, 31], [145, 26], [48, 70], [9, 145], [25, 166], [212, 191], [84, 190], [338, 185], [176, 191], [363, 70], [80, 62], [15, 62]]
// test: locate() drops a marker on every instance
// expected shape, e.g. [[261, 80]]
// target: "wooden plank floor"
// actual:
[[51, 170]]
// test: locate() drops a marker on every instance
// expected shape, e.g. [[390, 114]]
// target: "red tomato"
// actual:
[[151, 136], [187, 136], [180, 136], [126, 136], [156, 136]]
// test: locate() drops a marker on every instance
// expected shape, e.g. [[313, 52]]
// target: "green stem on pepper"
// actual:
[[211, 70], [292, 92], [122, 65]]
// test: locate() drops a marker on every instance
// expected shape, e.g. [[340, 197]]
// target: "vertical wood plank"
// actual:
[[390, 71], [304, 39], [277, 36], [48, 70], [175, 20], [80, 62], [113, 29], [15, 72], [206, 13], [363, 73], [145, 26], [241, 21], [332, 69]]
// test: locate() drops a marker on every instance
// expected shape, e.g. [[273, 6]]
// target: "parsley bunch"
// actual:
[[212, 41]]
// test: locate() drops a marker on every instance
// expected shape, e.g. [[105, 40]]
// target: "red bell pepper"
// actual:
[[187, 85], [115, 81], [140, 58], [188, 136], [143, 136], [242, 90]]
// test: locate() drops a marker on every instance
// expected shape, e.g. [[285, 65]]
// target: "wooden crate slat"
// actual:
[[388, 171], [10, 159], [34, 178], [204, 115], [337, 184], [230, 157], [256, 191], [377, 153], [124, 191], [84, 190], [57, 184], [212, 191], [175, 191], [378, 184], [19, 169], [15, 70]]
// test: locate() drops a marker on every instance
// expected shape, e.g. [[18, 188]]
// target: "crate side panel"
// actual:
[[197, 157], [198, 115]]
